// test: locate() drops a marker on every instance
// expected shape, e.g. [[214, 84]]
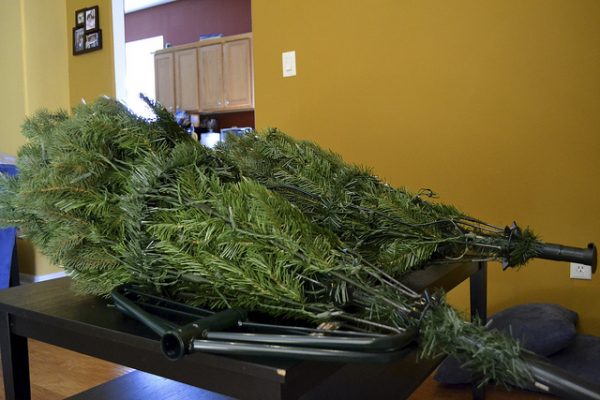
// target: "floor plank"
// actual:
[[57, 373]]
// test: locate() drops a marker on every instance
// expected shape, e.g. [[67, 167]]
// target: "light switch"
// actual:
[[288, 60]]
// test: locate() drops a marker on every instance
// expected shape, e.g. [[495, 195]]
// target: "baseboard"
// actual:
[[28, 278]]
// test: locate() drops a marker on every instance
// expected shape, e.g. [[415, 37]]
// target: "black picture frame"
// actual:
[[93, 40], [78, 40], [87, 35], [92, 19], [86, 42], [80, 17]]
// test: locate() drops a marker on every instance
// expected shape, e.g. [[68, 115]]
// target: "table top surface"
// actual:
[[55, 297], [55, 303]]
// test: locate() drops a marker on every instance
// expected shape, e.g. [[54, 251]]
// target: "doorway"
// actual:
[[139, 67]]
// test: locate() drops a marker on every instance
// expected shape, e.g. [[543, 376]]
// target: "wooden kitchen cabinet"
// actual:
[[226, 78], [209, 76], [210, 71], [186, 80], [238, 85], [164, 73]]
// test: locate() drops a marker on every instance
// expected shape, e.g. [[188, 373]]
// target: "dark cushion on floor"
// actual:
[[581, 358], [542, 328]]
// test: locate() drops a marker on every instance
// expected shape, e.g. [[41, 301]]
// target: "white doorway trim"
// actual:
[[118, 17]]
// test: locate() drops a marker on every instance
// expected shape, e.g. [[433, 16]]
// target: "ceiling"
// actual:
[[136, 5]]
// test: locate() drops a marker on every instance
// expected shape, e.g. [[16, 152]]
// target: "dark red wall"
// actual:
[[183, 21]]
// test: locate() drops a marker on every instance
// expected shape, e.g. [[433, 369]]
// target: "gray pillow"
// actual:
[[542, 328]]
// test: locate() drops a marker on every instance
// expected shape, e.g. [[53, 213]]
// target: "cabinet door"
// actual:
[[210, 72], [237, 74], [186, 80], [164, 79]]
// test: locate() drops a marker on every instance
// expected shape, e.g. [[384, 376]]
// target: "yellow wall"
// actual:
[[46, 72], [33, 71], [12, 100], [33, 75], [91, 74], [495, 105]]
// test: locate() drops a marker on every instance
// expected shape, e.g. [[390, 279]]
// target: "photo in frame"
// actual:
[[80, 17], [93, 40], [78, 40], [92, 19]]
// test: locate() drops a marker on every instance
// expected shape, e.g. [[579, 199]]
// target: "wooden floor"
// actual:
[[57, 373]]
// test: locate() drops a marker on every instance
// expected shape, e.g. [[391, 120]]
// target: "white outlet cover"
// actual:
[[288, 61], [581, 271]]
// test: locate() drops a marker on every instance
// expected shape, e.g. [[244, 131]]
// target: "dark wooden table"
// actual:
[[50, 312]]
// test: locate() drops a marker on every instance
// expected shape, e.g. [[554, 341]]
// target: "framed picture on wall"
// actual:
[[92, 19], [85, 42], [78, 40], [93, 41], [87, 35], [80, 17]]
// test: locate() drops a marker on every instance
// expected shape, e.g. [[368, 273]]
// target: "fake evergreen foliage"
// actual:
[[389, 227], [264, 223]]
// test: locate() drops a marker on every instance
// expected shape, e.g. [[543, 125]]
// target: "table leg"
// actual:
[[14, 269], [478, 294], [15, 362], [478, 283]]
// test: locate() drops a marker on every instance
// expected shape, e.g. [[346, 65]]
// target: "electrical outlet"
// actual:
[[581, 271]]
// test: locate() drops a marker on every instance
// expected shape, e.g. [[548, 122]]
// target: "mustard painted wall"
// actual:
[[495, 105], [33, 75], [45, 54], [33, 65], [91, 74], [12, 100]]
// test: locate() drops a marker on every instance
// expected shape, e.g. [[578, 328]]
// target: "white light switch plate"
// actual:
[[581, 271], [288, 60]]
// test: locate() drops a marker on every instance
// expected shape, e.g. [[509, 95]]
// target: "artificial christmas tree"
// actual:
[[264, 223]]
